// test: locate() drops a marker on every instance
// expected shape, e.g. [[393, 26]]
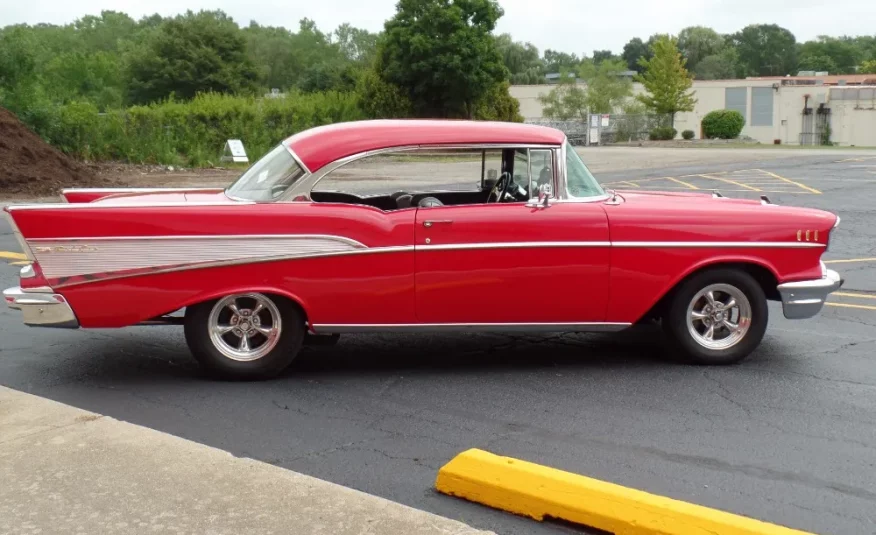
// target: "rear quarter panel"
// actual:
[[360, 287]]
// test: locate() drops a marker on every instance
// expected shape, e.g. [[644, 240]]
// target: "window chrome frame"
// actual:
[[563, 195], [305, 173]]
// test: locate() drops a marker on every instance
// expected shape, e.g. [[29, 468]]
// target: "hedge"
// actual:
[[723, 124]]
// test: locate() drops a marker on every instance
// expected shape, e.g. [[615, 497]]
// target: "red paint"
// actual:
[[90, 195], [325, 144]]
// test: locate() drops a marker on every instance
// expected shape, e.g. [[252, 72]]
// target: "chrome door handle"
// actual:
[[428, 224]]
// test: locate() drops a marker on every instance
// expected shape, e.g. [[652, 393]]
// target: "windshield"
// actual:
[[579, 181], [268, 178]]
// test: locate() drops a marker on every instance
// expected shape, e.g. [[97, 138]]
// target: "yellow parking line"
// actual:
[[850, 260], [538, 492], [849, 305], [789, 181], [682, 182], [750, 188], [12, 256], [26, 262], [847, 294]]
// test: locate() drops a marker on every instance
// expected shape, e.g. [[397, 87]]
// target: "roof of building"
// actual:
[[322, 145], [830, 79]]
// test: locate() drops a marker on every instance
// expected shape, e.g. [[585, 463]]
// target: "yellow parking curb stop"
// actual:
[[538, 492]]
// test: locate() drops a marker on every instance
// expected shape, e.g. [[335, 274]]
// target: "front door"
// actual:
[[511, 263]]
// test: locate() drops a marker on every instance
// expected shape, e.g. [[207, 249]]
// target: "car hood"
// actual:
[[183, 196]]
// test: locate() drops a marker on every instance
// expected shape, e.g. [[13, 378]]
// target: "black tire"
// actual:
[[321, 339], [685, 345], [274, 361]]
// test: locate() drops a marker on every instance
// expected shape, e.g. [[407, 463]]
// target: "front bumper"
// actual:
[[41, 309], [804, 299]]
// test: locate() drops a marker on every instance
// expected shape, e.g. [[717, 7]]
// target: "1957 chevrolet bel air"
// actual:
[[418, 225]]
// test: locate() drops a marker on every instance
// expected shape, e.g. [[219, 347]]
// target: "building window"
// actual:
[[761, 106], [736, 98]]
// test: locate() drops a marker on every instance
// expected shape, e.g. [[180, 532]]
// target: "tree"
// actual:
[[356, 44], [722, 66], [842, 54], [868, 67], [565, 101], [603, 55], [558, 61], [521, 59], [192, 53], [633, 50], [604, 91], [666, 80], [698, 42], [765, 50], [442, 54]]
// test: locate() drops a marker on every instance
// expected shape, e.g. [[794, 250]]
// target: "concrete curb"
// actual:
[[537, 491], [65, 470]]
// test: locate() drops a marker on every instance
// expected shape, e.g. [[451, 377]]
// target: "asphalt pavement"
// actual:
[[788, 436]]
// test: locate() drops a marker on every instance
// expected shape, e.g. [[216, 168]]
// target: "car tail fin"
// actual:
[[31, 276]]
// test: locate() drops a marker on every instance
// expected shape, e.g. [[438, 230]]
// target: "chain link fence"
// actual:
[[609, 128]]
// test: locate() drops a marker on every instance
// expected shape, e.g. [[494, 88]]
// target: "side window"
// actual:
[[542, 165], [425, 170]]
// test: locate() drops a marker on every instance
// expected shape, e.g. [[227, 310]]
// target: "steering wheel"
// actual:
[[501, 188]]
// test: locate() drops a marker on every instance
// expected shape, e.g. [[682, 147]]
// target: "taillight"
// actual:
[[31, 276]]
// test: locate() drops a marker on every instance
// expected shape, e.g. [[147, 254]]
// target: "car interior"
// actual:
[[510, 184]]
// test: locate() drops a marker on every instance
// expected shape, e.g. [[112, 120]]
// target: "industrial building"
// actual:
[[806, 110]]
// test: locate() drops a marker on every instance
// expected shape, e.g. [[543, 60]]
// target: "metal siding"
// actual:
[[761, 106], [736, 98]]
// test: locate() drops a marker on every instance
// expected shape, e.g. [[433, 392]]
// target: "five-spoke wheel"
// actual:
[[245, 336], [717, 316]]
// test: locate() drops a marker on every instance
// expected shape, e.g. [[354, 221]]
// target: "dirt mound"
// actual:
[[29, 165]]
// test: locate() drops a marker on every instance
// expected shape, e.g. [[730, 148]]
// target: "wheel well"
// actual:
[[763, 276], [272, 295]]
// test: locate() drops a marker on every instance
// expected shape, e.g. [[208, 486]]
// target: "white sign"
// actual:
[[594, 121], [604, 120], [234, 152], [594, 136]]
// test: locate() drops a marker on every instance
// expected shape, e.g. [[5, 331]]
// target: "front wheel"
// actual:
[[716, 317], [245, 336]]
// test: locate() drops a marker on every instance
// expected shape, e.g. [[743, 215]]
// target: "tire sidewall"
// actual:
[[197, 333], [675, 321]]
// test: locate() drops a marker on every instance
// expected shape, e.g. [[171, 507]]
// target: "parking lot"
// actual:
[[788, 436]]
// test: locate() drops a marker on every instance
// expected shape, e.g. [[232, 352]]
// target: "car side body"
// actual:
[[553, 257]]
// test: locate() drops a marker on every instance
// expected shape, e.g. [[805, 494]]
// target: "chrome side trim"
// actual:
[[297, 159], [76, 257], [41, 309], [511, 245], [92, 206], [717, 244], [804, 299], [471, 327], [136, 190], [349, 241]]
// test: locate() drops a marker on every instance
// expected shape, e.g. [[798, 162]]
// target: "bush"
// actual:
[[723, 124], [688, 134], [662, 133]]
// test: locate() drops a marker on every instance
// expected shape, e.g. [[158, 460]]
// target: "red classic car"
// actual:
[[418, 225]]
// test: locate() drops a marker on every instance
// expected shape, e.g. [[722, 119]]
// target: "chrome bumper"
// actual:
[[804, 299], [41, 309]]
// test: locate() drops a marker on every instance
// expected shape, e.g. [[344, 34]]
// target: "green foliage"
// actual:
[[662, 133], [766, 50], [837, 56], [818, 63], [499, 105], [192, 132], [555, 61], [633, 51], [521, 60], [606, 88], [380, 99], [722, 66], [723, 124], [604, 55], [442, 54], [666, 80], [698, 42], [189, 54], [688, 134], [868, 67], [565, 101]]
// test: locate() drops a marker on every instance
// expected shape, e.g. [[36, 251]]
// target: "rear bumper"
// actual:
[[804, 299], [41, 309]]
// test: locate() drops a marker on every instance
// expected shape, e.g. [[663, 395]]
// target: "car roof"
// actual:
[[322, 145]]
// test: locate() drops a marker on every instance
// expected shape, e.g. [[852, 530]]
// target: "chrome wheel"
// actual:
[[719, 316], [245, 327]]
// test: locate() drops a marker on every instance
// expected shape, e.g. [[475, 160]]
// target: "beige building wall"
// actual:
[[851, 124]]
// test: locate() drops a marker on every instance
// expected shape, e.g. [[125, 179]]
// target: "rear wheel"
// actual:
[[716, 317], [245, 336]]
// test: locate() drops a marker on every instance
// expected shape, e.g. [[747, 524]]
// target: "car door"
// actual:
[[511, 263]]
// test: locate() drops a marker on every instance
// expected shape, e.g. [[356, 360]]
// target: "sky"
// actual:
[[578, 26]]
